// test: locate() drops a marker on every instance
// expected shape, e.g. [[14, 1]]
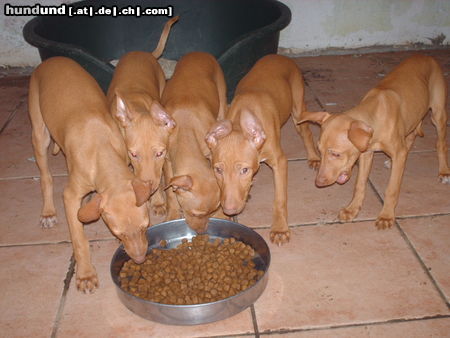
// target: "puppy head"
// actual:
[[342, 139], [198, 196], [126, 221], [235, 156], [146, 127]]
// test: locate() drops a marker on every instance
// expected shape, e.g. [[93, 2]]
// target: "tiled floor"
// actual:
[[331, 280]]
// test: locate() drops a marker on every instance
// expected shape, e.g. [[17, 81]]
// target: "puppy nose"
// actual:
[[230, 212], [139, 259], [321, 181], [230, 209]]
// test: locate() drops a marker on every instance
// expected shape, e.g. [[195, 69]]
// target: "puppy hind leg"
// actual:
[[439, 119], [299, 106], [313, 156], [41, 141], [438, 102]]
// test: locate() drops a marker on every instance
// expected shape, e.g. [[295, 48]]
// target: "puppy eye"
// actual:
[[159, 153], [334, 154], [218, 170], [132, 153], [244, 171]]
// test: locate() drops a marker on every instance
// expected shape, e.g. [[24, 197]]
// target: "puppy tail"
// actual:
[[163, 39]]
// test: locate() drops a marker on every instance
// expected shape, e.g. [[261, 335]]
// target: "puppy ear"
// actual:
[[122, 113], [91, 211], [218, 131], [252, 128], [183, 182], [360, 135], [142, 191], [316, 117], [160, 116]]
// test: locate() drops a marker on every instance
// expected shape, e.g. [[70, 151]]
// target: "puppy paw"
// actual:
[[280, 237], [384, 222], [444, 178], [47, 222], [87, 283], [314, 164], [347, 214], [159, 209]]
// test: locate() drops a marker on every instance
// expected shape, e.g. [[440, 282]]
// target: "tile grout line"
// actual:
[[13, 178], [254, 320], [422, 264], [91, 241], [354, 221], [69, 275], [235, 219], [414, 251], [12, 114], [344, 326]]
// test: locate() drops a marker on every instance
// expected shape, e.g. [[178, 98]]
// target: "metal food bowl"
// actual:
[[173, 232]]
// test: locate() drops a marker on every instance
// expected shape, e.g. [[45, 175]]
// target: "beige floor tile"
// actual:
[[21, 203], [11, 98], [430, 237], [102, 314], [17, 159], [338, 95], [329, 275], [306, 202], [31, 280], [421, 192], [412, 329], [428, 142], [344, 274]]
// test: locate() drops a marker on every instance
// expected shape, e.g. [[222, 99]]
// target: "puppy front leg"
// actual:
[[351, 211], [387, 215], [86, 276], [279, 233]]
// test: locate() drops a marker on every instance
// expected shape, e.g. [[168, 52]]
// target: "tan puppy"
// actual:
[[388, 119], [133, 97], [263, 102], [194, 97], [67, 105]]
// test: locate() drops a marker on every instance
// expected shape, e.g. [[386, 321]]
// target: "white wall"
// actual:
[[14, 51], [321, 24], [316, 24]]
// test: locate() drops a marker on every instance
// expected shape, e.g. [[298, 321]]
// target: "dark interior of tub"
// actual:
[[237, 32]]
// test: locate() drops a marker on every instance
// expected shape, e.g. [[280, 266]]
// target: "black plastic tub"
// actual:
[[236, 32]]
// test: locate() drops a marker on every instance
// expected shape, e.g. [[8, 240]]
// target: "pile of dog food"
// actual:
[[196, 272]]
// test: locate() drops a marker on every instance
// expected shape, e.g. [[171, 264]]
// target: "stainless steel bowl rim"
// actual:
[[185, 233]]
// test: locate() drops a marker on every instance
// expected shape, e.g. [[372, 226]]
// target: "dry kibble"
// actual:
[[197, 271]]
